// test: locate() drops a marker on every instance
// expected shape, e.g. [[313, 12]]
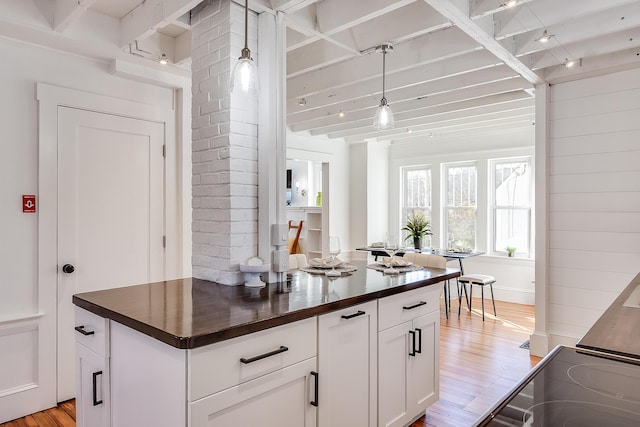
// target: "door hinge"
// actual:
[[164, 150], [164, 241]]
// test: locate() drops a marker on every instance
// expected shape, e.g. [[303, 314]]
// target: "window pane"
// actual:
[[512, 229], [461, 186], [512, 184], [461, 227], [418, 185]]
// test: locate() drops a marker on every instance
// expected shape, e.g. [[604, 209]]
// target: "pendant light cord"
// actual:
[[246, 23], [384, 55]]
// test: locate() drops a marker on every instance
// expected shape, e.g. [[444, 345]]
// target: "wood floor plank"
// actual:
[[479, 363]]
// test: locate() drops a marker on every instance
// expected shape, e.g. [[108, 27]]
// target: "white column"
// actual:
[[224, 145]]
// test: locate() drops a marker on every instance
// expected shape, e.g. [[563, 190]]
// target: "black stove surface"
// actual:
[[574, 387]]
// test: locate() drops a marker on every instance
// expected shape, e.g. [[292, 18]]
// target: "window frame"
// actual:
[[493, 207], [405, 209], [446, 208]]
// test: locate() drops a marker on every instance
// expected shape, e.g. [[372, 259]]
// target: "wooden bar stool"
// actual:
[[481, 280]]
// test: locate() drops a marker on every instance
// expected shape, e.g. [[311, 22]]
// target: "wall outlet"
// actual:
[[280, 260], [279, 235]]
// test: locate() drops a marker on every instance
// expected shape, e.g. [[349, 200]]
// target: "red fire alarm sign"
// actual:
[[28, 203]]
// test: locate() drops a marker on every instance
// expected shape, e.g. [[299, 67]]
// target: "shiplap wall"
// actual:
[[594, 198]]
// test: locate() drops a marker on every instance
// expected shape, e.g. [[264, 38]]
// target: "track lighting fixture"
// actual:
[[544, 37], [244, 78], [164, 60]]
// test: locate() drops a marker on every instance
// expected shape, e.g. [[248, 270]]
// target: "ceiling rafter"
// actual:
[[462, 20]]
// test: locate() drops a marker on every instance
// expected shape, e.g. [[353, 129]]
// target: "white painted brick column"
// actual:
[[224, 146]]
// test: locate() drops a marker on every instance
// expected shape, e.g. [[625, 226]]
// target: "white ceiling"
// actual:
[[458, 67]]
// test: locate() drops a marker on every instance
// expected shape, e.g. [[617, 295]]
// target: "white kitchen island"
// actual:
[[361, 350]]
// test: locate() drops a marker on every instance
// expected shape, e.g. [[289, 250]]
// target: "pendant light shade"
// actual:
[[383, 118], [244, 78]]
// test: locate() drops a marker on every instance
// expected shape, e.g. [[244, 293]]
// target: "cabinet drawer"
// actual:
[[408, 305], [92, 331], [218, 366]]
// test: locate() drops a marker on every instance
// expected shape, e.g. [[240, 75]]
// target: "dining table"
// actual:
[[449, 255]]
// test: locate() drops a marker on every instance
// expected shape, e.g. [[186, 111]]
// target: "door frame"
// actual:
[[50, 98]]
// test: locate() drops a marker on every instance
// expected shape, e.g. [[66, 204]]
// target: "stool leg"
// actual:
[[446, 308], [470, 299], [493, 300], [482, 295], [460, 285]]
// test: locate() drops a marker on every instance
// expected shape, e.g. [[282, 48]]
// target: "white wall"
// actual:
[[594, 199], [24, 65]]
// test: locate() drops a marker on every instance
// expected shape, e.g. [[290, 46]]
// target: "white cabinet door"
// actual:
[[347, 350], [408, 364], [423, 368], [92, 389], [393, 350], [279, 399]]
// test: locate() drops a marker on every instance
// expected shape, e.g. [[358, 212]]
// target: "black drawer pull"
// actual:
[[413, 343], [314, 402], [411, 307], [419, 348], [351, 316], [282, 349], [82, 331], [96, 402]]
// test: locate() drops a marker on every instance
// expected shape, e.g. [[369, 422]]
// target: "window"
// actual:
[[460, 206], [511, 204], [417, 192]]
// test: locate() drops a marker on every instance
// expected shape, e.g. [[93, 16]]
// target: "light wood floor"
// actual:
[[479, 363]]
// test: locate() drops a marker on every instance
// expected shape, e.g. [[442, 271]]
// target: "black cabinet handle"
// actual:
[[282, 349], [82, 331], [96, 402], [411, 307], [419, 348], [68, 268], [315, 375], [351, 316], [413, 343]]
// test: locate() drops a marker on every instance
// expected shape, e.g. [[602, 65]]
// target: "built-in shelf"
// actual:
[[314, 234]]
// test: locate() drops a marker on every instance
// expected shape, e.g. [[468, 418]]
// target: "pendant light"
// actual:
[[384, 116], [244, 78]]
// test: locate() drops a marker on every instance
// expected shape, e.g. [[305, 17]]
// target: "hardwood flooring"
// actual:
[[479, 363], [64, 415]]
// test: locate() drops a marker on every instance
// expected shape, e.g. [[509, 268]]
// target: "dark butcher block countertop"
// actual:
[[617, 331], [190, 313]]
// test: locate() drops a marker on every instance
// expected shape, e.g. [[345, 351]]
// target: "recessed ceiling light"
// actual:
[[164, 59], [340, 113], [302, 102]]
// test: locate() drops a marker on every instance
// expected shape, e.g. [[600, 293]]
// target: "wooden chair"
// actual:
[[433, 261], [294, 243]]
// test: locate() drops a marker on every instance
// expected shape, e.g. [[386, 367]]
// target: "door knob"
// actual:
[[68, 268]]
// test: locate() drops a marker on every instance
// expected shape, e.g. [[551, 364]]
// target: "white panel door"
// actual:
[[110, 213]]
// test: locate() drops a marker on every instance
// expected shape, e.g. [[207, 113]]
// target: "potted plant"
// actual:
[[510, 251], [418, 227]]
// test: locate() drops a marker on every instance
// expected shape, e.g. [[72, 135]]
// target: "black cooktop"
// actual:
[[574, 387]]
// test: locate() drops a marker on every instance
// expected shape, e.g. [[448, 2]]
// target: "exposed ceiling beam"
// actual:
[[150, 15], [462, 20], [426, 49], [68, 11]]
